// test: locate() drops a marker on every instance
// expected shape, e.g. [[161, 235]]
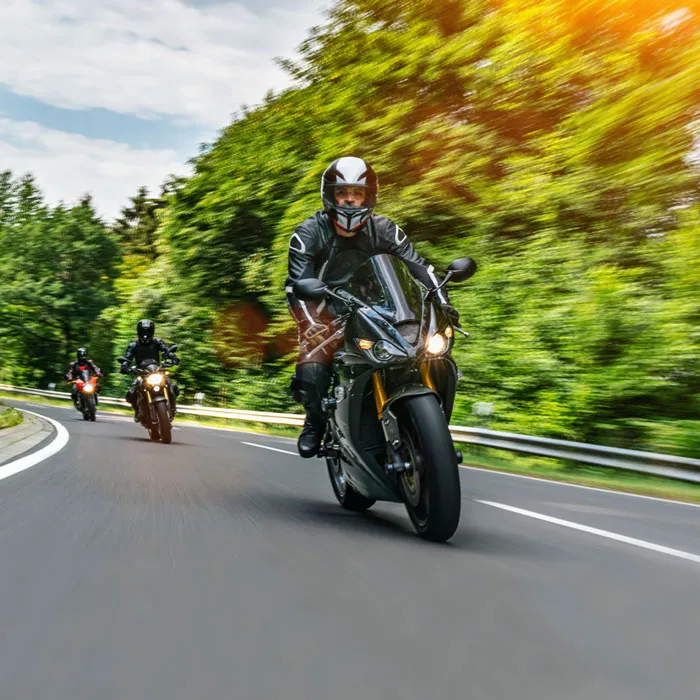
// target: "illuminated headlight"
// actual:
[[437, 344], [364, 344], [88, 388], [154, 379]]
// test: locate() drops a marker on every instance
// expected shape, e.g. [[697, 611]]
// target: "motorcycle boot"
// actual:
[[133, 400], [309, 441], [309, 385]]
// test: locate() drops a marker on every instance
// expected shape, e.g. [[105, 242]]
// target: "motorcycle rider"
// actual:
[[330, 245], [75, 369], [147, 349]]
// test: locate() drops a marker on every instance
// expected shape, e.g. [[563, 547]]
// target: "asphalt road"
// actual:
[[211, 568]]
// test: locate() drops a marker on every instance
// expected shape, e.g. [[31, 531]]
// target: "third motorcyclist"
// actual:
[[330, 245], [75, 370]]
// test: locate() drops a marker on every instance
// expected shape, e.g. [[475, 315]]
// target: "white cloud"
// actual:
[[146, 57], [68, 165]]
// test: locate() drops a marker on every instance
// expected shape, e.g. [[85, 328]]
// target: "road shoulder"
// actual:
[[24, 438]]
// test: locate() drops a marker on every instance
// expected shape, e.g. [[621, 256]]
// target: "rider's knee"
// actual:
[[309, 383]]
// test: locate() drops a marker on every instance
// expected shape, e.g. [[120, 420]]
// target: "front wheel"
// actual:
[[430, 486], [163, 414], [89, 408]]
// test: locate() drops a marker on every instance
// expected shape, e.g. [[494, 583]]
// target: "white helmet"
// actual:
[[349, 172]]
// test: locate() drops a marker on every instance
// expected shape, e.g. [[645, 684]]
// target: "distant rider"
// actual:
[[77, 368], [145, 350], [330, 245]]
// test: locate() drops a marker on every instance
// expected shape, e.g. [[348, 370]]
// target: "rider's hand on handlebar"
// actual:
[[451, 313]]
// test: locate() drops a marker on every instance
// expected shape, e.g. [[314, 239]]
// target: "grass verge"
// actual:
[[9, 417], [578, 473], [474, 455]]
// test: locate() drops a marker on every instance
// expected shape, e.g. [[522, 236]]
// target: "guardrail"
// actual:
[[669, 466]]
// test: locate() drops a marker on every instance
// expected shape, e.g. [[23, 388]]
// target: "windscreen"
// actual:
[[385, 283]]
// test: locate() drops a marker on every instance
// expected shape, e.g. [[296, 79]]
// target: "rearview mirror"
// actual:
[[310, 289], [462, 269]]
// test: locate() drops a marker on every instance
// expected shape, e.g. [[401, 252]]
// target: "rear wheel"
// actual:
[[344, 493], [89, 408], [430, 486], [163, 414]]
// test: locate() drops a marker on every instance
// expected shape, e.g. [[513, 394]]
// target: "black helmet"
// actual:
[[145, 330], [349, 172], [81, 354]]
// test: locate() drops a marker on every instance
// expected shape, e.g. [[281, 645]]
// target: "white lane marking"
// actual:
[[58, 443], [660, 549], [46, 405], [581, 486], [512, 475], [483, 470], [274, 449]]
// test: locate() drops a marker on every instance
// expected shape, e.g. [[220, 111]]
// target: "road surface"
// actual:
[[220, 566]]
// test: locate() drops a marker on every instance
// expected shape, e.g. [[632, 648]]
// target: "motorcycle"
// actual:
[[153, 391], [391, 394], [87, 394]]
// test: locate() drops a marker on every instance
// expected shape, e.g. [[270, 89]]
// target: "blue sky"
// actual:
[[104, 96]]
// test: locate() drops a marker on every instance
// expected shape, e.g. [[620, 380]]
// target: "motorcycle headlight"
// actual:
[[437, 344], [154, 379], [381, 350], [88, 388]]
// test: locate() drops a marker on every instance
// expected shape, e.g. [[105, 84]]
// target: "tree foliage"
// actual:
[[552, 142]]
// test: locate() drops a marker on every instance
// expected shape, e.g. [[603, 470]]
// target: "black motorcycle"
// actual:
[[153, 391], [392, 393]]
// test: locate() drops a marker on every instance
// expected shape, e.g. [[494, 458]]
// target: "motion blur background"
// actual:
[[556, 143]]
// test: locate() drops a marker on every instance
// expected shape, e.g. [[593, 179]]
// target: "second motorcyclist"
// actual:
[[147, 349]]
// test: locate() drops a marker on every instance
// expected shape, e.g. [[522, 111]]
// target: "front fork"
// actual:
[[150, 410], [390, 423]]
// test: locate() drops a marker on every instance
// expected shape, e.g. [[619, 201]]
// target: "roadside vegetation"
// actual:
[[9, 417], [556, 143]]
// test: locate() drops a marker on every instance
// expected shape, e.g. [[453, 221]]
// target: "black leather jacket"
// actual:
[[316, 250], [75, 369], [146, 353]]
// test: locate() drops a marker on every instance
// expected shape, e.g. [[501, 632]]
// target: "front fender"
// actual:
[[390, 423], [409, 390]]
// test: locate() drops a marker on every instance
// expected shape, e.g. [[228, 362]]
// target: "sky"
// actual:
[[104, 96]]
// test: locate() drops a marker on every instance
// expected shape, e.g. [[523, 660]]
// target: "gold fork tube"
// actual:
[[379, 392]]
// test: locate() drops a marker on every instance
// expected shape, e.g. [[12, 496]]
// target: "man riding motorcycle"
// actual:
[[147, 349], [330, 245], [74, 372]]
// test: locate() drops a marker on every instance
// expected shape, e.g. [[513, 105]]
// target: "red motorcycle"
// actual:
[[87, 392]]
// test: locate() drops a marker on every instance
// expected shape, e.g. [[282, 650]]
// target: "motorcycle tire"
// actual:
[[431, 486], [89, 408], [163, 414], [344, 493]]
